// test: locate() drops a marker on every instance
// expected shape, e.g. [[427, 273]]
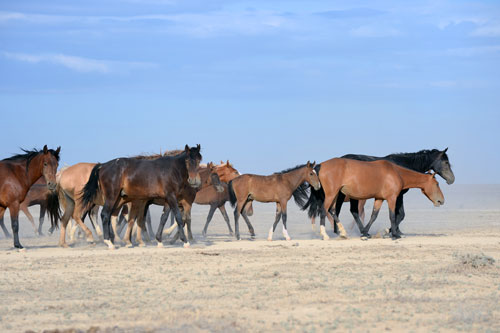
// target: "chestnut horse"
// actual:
[[421, 161], [18, 173], [122, 180], [381, 180], [277, 188]]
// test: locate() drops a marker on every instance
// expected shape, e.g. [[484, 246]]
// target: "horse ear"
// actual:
[[227, 162], [444, 151], [314, 164], [58, 150], [186, 149], [308, 164], [221, 162], [198, 147], [45, 149]]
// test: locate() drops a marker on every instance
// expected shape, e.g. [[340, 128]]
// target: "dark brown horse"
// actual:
[[209, 178], [18, 173], [277, 188], [122, 180], [381, 180]]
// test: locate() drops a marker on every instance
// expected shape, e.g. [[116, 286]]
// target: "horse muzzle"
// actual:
[[196, 182], [51, 186]]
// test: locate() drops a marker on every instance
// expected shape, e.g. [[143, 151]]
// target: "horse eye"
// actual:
[[45, 164]]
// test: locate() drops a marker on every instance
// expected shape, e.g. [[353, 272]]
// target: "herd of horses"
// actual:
[[126, 187]]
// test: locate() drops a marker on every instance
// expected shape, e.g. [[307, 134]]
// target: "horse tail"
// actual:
[[90, 189], [53, 209], [232, 195], [300, 195], [315, 202]]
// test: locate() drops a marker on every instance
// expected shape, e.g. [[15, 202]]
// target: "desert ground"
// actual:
[[443, 276]]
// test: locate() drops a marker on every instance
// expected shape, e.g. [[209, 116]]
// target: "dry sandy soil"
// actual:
[[444, 276]]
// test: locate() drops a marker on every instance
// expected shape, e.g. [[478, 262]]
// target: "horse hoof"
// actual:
[[288, 238], [142, 245], [159, 245], [129, 245], [21, 249], [364, 238], [344, 237], [186, 245], [269, 239]]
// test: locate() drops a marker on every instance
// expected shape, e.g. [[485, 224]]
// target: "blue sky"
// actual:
[[265, 84]]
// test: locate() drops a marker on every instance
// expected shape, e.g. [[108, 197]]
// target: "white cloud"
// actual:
[[79, 64], [473, 51], [492, 30]]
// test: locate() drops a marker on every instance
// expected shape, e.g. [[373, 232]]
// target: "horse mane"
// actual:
[[420, 160], [28, 155], [290, 169], [155, 156]]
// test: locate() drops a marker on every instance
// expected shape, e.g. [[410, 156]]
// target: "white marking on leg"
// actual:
[[186, 245], [110, 245], [285, 234], [270, 235], [323, 233]]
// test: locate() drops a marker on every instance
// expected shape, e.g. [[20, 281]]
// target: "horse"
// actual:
[[209, 196], [208, 177], [277, 188], [18, 173], [382, 180], [421, 161], [70, 182], [122, 180]]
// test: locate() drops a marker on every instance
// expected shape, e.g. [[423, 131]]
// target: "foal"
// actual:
[[381, 180], [278, 188]]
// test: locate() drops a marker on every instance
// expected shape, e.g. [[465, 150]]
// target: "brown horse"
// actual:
[[122, 180], [209, 178], [18, 173], [277, 188], [210, 196], [381, 180]]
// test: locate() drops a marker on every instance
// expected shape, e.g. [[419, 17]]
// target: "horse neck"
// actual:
[[34, 172], [421, 161], [295, 177], [412, 179]]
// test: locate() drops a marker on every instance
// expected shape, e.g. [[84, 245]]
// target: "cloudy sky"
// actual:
[[266, 84]]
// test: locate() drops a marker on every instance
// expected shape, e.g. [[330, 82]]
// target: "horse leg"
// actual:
[[283, 218], [376, 208], [313, 223], [276, 221], [322, 230], [5, 231], [226, 218], [174, 206], [114, 220], [245, 217], [328, 204], [149, 226], [106, 225], [163, 220], [69, 208], [128, 233], [94, 215], [26, 212], [400, 212], [338, 207], [361, 209], [392, 215], [355, 214], [14, 219], [211, 212], [237, 211], [43, 208]]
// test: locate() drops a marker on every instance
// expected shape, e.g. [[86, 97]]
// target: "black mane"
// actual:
[[420, 161], [290, 169], [28, 155]]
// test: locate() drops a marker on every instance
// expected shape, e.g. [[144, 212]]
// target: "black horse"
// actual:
[[422, 161], [122, 180]]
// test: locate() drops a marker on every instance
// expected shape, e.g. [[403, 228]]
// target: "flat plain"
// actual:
[[443, 276]]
